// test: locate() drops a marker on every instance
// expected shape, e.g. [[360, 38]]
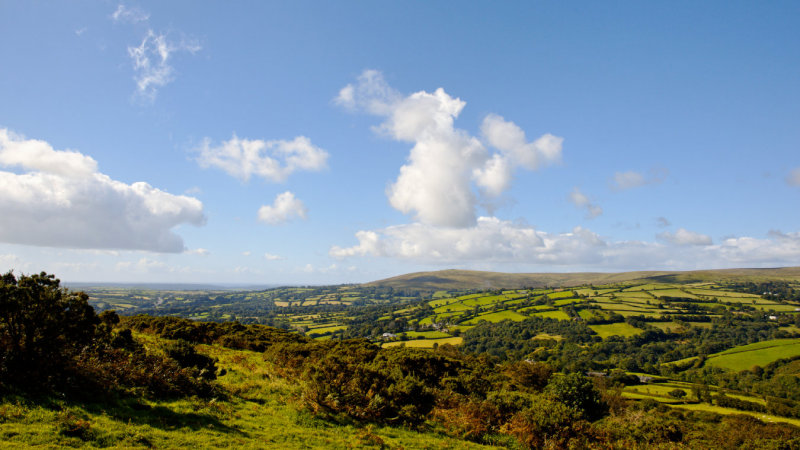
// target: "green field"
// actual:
[[615, 329], [498, 317], [720, 293], [726, 411], [673, 293], [567, 301], [325, 330], [761, 353], [426, 334], [426, 343], [558, 314], [663, 326]]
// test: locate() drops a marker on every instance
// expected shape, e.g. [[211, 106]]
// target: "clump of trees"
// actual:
[[51, 339], [471, 396], [228, 334]]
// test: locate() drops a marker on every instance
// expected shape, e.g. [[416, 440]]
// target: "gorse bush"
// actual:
[[42, 328], [52, 339], [472, 397], [186, 356], [228, 334]]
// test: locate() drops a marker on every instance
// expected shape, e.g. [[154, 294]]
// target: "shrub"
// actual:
[[577, 392], [42, 327], [187, 357]]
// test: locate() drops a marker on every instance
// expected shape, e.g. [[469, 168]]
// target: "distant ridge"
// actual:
[[169, 286], [453, 279]]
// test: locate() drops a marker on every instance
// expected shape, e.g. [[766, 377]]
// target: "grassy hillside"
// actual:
[[262, 410], [143, 381], [447, 280], [262, 407]]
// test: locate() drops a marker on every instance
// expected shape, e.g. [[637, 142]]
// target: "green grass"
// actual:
[[452, 307], [637, 294], [567, 301], [648, 313], [744, 357], [615, 329], [426, 334], [791, 329], [325, 330], [443, 301], [548, 336], [746, 300], [558, 314], [535, 308], [721, 410], [498, 316], [426, 343], [263, 411], [485, 301], [562, 294], [673, 326], [648, 287], [720, 293], [661, 390], [777, 307], [626, 307], [673, 293], [589, 313]]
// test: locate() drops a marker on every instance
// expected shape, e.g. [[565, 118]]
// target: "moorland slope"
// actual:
[[452, 279]]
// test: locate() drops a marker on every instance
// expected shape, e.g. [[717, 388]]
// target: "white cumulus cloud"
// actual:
[[62, 201], [272, 160], [497, 241], [271, 257], [582, 201], [32, 154], [285, 208], [510, 139], [685, 237], [490, 240], [445, 164]]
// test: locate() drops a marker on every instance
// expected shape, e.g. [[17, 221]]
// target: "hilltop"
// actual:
[[452, 279]]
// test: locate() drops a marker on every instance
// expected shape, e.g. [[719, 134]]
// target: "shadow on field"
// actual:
[[130, 410]]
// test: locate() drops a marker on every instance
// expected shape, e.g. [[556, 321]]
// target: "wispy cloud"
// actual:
[[130, 15], [685, 237], [151, 62], [631, 179], [794, 177], [577, 198], [271, 257]]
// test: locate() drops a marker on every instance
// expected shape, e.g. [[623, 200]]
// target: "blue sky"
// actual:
[[330, 142]]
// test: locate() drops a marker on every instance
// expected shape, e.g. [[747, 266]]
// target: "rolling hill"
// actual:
[[469, 279]]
